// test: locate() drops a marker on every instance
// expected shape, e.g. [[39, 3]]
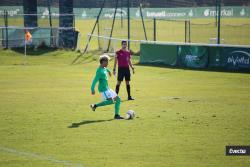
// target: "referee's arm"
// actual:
[[131, 65]]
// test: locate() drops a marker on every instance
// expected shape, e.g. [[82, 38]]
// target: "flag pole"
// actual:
[[27, 38]]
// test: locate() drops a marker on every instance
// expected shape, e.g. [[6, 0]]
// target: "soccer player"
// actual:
[[108, 95], [123, 57]]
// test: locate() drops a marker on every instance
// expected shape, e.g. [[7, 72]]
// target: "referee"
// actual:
[[123, 58]]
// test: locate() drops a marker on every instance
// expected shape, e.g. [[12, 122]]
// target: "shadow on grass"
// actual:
[[86, 122], [31, 51], [124, 101], [88, 57], [209, 69]]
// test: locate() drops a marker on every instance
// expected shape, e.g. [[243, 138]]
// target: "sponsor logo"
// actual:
[[191, 13], [191, 58], [224, 12], [119, 13], [156, 14], [239, 58], [45, 14], [137, 14], [237, 150], [206, 12], [84, 14], [162, 14], [10, 12], [243, 12]]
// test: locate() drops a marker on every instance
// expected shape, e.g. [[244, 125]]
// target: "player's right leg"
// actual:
[[110, 97], [117, 100]]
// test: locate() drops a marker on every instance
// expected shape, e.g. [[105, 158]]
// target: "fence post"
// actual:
[[143, 23], [185, 31], [6, 28], [50, 23], [189, 31], [154, 29], [128, 8], [219, 21]]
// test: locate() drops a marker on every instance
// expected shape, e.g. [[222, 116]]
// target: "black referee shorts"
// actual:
[[123, 72]]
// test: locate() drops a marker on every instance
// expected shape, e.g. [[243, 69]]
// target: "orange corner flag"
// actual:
[[28, 36]]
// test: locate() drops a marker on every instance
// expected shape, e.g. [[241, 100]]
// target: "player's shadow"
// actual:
[[86, 122]]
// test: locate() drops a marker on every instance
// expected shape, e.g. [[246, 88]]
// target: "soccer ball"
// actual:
[[130, 114]]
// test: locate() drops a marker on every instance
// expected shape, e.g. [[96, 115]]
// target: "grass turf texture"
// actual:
[[184, 117]]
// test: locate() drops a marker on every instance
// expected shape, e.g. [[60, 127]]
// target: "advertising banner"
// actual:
[[159, 54], [148, 13], [235, 58], [193, 56]]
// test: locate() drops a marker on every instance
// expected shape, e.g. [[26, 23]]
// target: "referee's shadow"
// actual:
[[86, 122], [124, 100]]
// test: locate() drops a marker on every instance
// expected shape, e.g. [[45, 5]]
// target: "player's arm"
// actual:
[[109, 72], [94, 82], [115, 63]]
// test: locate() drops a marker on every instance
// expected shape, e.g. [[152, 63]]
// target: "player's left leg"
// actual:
[[103, 103], [107, 100]]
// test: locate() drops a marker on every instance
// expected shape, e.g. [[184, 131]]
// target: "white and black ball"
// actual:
[[130, 114]]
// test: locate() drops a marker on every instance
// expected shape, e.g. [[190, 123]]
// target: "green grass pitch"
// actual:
[[183, 117]]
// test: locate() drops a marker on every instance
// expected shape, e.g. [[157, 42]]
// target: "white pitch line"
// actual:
[[37, 156]]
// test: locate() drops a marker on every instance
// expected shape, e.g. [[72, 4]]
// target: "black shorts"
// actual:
[[123, 72]]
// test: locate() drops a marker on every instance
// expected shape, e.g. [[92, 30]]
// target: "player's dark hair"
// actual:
[[102, 60], [124, 42]]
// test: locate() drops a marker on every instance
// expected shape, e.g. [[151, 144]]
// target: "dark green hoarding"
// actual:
[[159, 54], [197, 56], [193, 56]]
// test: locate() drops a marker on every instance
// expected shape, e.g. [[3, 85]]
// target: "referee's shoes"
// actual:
[[130, 98]]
